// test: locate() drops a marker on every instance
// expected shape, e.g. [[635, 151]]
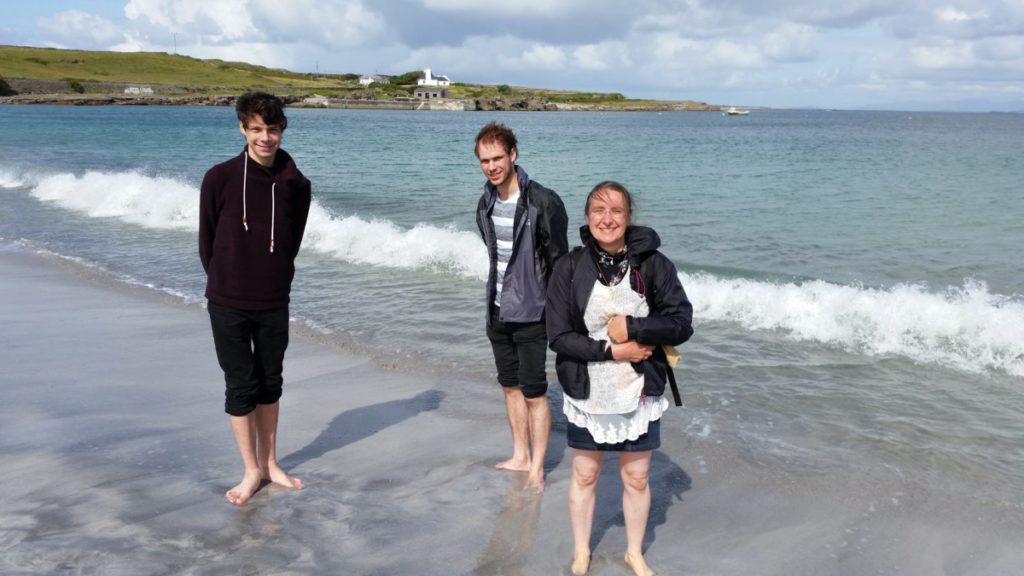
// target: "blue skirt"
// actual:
[[581, 439]]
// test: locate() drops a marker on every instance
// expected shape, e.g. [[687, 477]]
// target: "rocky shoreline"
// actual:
[[313, 101]]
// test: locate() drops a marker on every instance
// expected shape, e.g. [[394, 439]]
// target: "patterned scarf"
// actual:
[[611, 268]]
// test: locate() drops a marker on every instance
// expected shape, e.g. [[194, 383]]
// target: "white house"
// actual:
[[427, 79], [136, 90], [430, 93], [370, 79]]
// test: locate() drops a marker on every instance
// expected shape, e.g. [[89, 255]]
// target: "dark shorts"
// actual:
[[580, 438], [520, 354], [250, 349]]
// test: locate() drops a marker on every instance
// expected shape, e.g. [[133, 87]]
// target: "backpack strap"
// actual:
[[574, 258], [646, 276]]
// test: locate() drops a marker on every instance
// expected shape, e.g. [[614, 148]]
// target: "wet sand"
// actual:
[[117, 453]]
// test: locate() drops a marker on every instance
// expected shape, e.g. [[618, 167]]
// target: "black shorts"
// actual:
[[581, 439], [520, 354], [250, 349]]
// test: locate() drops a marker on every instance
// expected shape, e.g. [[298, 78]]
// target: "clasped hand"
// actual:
[[622, 347]]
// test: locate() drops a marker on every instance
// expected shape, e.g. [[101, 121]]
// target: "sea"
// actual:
[[857, 277]]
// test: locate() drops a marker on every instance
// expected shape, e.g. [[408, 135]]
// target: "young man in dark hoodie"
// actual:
[[252, 214], [523, 225]]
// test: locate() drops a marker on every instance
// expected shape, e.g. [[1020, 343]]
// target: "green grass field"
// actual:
[[212, 77]]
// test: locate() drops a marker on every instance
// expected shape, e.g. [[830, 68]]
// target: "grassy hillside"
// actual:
[[89, 72], [145, 68]]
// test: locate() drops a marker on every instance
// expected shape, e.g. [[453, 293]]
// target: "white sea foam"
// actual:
[[157, 202], [129, 196], [380, 242], [966, 327], [10, 180]]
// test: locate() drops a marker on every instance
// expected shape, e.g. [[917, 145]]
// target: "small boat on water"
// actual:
[[733, 111]]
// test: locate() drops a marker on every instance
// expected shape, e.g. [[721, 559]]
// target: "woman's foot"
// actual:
[[580, 563], [637, 563]]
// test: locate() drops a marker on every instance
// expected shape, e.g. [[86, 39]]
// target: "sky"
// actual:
[[962, 55]]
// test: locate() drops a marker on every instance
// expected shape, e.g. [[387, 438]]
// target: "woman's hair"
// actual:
[[611, 185], [267, 106], [496, 132]]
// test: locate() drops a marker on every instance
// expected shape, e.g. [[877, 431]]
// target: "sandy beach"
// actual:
[[117, 454]]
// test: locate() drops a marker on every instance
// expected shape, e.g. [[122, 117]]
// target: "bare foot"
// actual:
[[638, 565], [580, 563], [514, 464], [241, 493], [274, 474]]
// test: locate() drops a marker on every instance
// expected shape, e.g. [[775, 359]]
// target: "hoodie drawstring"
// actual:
[[273, 201], [245, 178]]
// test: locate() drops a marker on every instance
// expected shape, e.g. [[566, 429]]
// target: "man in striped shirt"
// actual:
[[523, 225]]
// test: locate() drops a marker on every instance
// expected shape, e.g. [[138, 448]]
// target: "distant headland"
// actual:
[[81, 78]]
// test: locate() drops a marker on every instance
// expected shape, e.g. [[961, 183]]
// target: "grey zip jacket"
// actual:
[[539, 239]]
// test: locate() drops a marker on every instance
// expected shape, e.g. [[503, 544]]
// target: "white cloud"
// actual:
[[216, 20], [770, 52], [262, 53], [540, 56], [519, 7], [791, 43], [677, 52], [337, 24], [950, 14], [76, 29], [603, 56], [949, 54], [1009, 49]]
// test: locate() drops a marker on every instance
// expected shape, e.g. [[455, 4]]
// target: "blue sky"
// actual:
[[859, 54]]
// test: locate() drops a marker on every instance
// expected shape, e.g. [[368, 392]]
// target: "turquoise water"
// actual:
[[858, 290]]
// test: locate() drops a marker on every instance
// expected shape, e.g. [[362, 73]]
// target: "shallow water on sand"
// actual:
[[858, 308]]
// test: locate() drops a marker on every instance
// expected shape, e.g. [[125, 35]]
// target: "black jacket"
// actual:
[[669, 322]]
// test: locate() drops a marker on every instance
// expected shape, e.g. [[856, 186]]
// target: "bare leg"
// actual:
[[266, 427], [634, 467], [518, 421], [586, 468], [540, 429], [244, 428]]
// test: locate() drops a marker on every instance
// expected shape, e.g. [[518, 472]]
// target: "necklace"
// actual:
[[611, 268]]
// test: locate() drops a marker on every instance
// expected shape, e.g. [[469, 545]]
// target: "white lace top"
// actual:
[[614, 412]]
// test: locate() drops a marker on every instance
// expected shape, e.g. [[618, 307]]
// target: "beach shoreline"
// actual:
[[312, 100], [118, 454]]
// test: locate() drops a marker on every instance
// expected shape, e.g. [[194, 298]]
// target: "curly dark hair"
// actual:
[[495, 132], [267, 106]]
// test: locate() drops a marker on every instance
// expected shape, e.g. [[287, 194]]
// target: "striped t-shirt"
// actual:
[[503, 217]]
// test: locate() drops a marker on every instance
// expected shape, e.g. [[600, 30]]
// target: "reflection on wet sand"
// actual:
[[515, 530]]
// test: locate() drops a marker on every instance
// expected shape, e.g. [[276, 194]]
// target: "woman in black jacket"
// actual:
[[612, 305]]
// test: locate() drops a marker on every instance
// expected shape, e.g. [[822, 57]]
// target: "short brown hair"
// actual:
[[495, 132], [267, 106]]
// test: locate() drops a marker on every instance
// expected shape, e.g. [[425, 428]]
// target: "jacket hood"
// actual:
[[640, 240]]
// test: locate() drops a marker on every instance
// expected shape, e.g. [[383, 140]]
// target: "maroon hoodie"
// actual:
[[250, 265]]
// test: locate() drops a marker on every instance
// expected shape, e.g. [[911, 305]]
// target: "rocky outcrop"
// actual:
[[5, 88], [514, 104], [110, 99]]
